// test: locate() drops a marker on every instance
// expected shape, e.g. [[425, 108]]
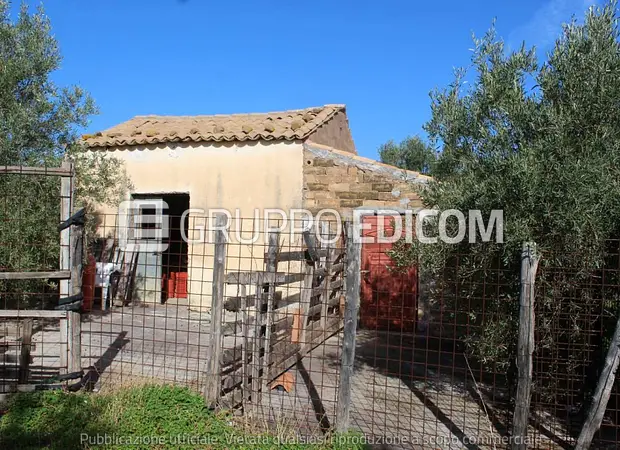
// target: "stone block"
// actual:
[[311, 170], [337, 172], [361, 187], [309, 203], [388, 196], [351, 203], [372, 178], [373, 203], [339, 187], [317, 186], [320, 162], [358, 195], [382, 187], [394, 204], [404, 187], [327, 203], [319, 195]]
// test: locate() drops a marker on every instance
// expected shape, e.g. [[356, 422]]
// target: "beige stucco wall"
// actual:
[[238, 175], [233, 176]]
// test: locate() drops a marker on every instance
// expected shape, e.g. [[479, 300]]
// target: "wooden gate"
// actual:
[[69, 278], [274, 331]]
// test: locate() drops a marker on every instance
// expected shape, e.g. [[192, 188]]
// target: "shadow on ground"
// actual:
[[432, 367]]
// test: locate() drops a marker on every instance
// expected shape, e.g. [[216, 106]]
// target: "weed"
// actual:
[[139, 417]]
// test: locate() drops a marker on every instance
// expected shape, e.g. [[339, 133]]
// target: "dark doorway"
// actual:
[[175, 258]]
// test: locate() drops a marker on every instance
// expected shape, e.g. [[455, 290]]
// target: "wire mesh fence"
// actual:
[[34, 338], [416, 383], [31, 200], [281, 350], [253, 316], [435, 363], [577, 307], [273, 313], [32, 353]]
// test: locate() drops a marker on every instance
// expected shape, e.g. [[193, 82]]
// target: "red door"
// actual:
[[388, 297]]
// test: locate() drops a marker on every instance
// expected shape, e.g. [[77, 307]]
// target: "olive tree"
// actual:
[[540, 140], [39, 126], [411, 154]]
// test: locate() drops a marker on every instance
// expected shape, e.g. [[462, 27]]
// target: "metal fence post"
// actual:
[[353, 257]]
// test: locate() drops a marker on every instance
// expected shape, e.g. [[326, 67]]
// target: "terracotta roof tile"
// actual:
[[284, 125]]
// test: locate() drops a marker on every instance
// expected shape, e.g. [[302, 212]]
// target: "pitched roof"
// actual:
[[284, 125]]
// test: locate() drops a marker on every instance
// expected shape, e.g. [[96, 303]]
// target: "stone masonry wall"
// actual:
[[344, 182]]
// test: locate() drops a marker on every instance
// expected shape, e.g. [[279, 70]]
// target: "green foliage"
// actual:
[[410, 154], [540, 141], [39, 124], [56, 419], [100, 180], [38, 119], [548, 155]]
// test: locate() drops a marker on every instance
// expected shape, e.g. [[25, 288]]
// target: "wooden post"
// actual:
[[256, 347], [65, 213], [326, 234], [213, 382], [64, 345], [305, 296], [245, 330], [353, 256], [24, 360], [272, 266], [76, 240], [70, 343], [525, 346], [601, 394], [74, 348]]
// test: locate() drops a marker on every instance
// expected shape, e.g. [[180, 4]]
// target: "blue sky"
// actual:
[[380, 58]]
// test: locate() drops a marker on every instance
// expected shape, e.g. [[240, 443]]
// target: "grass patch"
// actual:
[[145, 417]]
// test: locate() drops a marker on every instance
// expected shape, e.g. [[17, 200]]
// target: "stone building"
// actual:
[[300, 159]]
